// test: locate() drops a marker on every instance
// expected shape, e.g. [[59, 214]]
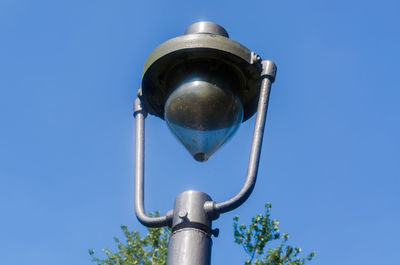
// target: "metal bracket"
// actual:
[[212, 209], [268, 77], [140, 114]]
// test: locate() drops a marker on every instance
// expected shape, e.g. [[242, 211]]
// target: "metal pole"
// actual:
[[190, 242]]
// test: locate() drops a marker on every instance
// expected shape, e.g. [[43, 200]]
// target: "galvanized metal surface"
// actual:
[[268, 70], [197, 41], [268, 77], [191, 219], [212, 209], [189, 247], [190, 241], [189, 208], [206, 27], [206, 53], [140, 114]]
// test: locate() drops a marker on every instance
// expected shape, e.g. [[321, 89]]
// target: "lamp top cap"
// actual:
[[206, 27]]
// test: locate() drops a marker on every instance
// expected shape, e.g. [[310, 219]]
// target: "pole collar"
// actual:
[[268, 69], [138, 108], [210, 207]]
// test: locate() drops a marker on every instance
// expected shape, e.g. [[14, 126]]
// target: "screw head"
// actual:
[[215, 232], [182, 214]]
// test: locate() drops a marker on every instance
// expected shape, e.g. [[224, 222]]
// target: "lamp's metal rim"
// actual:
[[199, 40]]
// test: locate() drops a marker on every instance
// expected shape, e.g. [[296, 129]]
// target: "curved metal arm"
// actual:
[[268, 77], [140, 114]]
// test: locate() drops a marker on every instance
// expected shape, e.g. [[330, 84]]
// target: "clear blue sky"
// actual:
[[69, 71]]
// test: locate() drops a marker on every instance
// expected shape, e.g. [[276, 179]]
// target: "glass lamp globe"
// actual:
[[203, 113]]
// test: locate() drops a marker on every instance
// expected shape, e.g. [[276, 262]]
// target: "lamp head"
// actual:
[[204, 85]]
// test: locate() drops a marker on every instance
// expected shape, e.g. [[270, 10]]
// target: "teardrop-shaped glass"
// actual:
[[203, 116]]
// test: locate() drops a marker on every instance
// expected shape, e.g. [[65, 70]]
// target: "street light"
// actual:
[[204, 85]]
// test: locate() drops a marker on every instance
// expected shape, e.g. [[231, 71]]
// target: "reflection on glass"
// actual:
[[203, 116]]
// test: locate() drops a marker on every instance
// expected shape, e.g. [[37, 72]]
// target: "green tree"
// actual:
[[262, 230], [149, 250], [152, 249]]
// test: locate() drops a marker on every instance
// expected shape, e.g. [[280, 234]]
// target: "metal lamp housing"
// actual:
[[223, 70]]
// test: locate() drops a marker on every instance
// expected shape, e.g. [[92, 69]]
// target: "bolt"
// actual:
[[139, 93], [182, 214], [215, 232]]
